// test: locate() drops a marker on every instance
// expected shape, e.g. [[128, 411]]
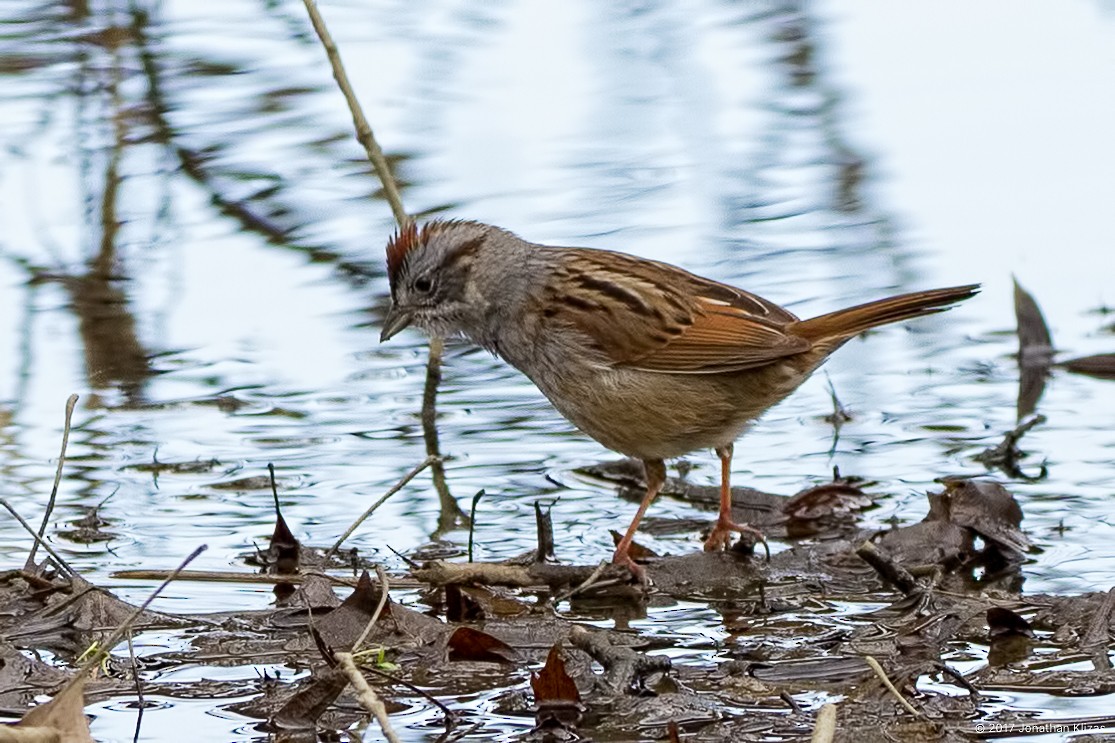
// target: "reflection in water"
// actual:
[[252, 210], [115, 358], [801, 190], [1035, 351], [450, 515]]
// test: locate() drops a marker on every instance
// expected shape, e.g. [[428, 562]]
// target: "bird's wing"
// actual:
[[656, 317]]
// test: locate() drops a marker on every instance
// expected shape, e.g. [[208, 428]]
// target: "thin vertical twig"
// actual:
[[472, 520], [367, 138], [70, 403], [142, 704], [364, 133]]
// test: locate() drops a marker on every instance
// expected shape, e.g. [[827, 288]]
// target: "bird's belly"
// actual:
[[660, 416]]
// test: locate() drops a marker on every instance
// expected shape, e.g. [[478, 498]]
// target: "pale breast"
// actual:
[[661, 416]]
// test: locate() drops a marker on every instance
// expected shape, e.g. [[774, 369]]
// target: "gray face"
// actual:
[[428, 288]]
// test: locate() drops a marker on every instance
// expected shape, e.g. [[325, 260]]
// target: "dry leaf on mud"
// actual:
[[62, 719]]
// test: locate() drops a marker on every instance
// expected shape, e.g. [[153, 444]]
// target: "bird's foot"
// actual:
[[637, 570], [720, 538]]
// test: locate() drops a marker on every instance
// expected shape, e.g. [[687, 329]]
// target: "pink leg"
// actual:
[[656, 477], [721, 536]]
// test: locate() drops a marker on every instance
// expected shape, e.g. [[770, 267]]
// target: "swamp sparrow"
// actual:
[[646, 358]]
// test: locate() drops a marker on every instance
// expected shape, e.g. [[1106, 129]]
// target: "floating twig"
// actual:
[[367, 697], [229, 576], [888, 569], [878, 669], [536, 575]]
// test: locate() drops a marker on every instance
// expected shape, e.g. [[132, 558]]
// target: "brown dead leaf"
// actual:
[[1004, 622], [988, 509], [946, 536], [556, 697], [284, 550], [928, 542], [1033, 333], [468, 644], [65, 715], [553, 684], [341, 627], [1101, 366]]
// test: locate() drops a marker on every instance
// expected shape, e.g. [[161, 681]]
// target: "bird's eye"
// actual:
[[423, 284]]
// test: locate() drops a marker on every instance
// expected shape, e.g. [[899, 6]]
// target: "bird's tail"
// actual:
[[837, 327]]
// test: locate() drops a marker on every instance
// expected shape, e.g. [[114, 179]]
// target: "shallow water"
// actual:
[[818, 155]]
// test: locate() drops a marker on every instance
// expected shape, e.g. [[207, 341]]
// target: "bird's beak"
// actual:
[[397, 319]]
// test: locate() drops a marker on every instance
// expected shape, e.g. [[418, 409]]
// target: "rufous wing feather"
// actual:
[[656, 317]]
